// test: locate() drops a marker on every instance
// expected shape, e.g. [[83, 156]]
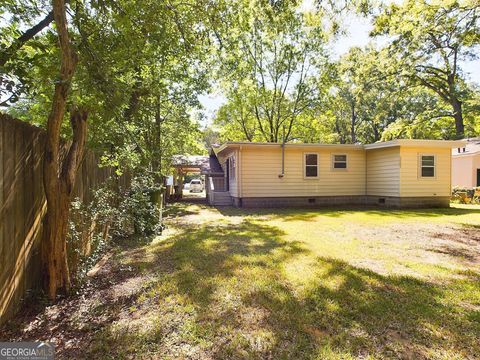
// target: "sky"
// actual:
[[356, 35]]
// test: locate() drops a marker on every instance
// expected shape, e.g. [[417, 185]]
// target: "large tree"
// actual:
[[59, 174], [136, 71], [430, 39], [270, 63]]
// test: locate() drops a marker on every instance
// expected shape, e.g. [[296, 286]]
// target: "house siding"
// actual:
[[233, 183], [383, 172], [476, 166], [413, 185], [261, 169], [377, 174], [464, 170]]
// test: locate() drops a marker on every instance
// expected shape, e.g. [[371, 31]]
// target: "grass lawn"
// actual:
[[294, 284]]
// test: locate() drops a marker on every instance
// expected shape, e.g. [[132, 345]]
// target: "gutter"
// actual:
[[240, 173]]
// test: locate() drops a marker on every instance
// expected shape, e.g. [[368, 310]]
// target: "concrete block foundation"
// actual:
[[324, 201]]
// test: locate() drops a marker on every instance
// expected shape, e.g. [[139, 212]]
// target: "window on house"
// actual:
[[339, 161], [233, 166], [427, 166], [311, 165]]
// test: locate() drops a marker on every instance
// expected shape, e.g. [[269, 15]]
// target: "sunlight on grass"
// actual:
[[297, 284]]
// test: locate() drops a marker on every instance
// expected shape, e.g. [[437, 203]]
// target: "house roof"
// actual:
[[377, 145], [230, 145], [472, 147]]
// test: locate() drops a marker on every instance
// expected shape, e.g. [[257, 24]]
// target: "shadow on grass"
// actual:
[[133, 241], [310, 214], [206, 254], [179, 209], [344, 310]]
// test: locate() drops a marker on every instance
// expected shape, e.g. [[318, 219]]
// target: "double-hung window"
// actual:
[[427, 166], [311, 165], [339, 161]]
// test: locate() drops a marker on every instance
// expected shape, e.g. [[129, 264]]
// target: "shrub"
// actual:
[[109, 213], [466, 195]]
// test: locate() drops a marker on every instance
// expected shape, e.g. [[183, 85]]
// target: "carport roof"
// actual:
[[205, 164]]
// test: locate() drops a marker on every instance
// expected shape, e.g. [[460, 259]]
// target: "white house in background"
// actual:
[[466, 164]]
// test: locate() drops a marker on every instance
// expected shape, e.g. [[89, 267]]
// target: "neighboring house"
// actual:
[[393, 173], [466, 164]]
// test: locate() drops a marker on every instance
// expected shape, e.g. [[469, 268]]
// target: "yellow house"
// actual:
[[399, 173]]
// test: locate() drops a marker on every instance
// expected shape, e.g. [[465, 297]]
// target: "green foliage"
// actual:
[[269, 69], [140, 72], [89, 226], [110, 213], [428, 40], [138, 208], [413, 87]]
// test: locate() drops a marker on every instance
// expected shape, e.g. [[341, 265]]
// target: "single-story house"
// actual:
[[466, 164], [411, 173]]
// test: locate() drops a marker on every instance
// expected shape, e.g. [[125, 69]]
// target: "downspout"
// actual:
[[365, 198], [240, 175], [283, 154]]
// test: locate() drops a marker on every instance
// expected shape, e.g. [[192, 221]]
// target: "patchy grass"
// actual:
[[297, 284]]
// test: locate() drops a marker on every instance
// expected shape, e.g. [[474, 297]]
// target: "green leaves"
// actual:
[[268, 69], [142, 64]]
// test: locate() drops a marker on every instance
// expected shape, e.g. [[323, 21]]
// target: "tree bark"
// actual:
[[458, 116], [58, 175], [352, 124]]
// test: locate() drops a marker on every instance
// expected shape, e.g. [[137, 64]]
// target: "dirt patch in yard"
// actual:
[[71, 323], [432, 244]]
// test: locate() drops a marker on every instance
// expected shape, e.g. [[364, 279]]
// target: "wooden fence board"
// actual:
[[7, 285], [19, 219], [2, 206], [23, 206], [28, 209]]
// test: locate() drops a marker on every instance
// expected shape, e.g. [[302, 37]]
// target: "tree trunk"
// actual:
[[458, 116], [59, 176], [339, 130], [352, 125], [376, 134], [157, 144]]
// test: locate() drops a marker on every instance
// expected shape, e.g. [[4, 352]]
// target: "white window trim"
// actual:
[[420, 167], [305, 165], [333, 168]]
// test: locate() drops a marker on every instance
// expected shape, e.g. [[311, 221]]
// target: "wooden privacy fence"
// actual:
[[23, 206]]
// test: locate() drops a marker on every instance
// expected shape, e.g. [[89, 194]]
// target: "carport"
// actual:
[[205, 166]]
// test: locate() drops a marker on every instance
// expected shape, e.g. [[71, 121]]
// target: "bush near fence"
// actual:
[[23, 206]]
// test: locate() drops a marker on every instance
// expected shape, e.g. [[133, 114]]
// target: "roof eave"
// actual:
[[416, 143], [234, 145], [378, 145]]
